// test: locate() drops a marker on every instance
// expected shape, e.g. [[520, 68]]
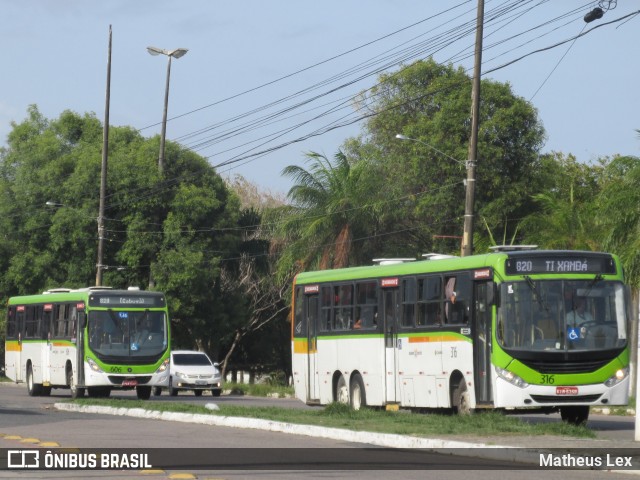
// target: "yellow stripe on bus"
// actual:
[[435, 338], [302, 346], [13, 347]]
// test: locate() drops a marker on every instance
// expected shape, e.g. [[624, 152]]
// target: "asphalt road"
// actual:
[[27, 422]]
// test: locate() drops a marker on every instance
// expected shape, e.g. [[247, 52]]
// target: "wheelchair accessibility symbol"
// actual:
[[573, 333]]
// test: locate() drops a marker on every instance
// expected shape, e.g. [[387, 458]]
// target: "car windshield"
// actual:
[[191, 359], [562, 315]]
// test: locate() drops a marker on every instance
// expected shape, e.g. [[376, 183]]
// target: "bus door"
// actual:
[[482, 341], [311, 306], [20, 329], [79, 324], [47, 335], [390, 313]]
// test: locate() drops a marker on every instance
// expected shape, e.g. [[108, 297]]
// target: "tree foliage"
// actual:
[[431, 103], [170, 232]]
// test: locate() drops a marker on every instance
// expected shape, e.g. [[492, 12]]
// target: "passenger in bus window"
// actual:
[[450, 300]]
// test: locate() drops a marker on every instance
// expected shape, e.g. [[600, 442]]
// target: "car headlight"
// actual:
[[511, 377], [163, 367], [93, 365], [619, 376], [181, 375]]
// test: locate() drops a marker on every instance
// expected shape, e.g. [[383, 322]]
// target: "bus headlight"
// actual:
[[163, 367], [93, 365], [511, 377], [620, 375]]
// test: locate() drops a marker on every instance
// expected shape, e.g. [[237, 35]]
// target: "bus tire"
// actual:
[[34, 389], [76, 392], [46, 391], [461, 403], [358, 396], [342, 391], [157, 391], [143, 393], [577, 415]]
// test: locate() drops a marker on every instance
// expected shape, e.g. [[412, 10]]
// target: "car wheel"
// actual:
[[172, 391], [197, 393], [157, 391], [216, 393]]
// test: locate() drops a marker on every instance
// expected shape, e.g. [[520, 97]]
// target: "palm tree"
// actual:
[[331, 203]]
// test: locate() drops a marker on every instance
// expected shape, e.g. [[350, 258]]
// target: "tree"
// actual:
[[566, 219], [431, 104], [179, 228], [330, 207]]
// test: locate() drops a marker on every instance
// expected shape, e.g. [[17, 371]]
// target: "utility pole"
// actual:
[[103, 171], [472, 159]]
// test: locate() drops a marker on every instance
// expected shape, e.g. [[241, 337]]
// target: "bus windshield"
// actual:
[[562, 315], [127, 334]]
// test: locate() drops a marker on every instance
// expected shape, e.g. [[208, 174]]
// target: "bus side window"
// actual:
[[299, 319], [325, 309], [32, 322], [457, 298], [12, 323], [408, 302]]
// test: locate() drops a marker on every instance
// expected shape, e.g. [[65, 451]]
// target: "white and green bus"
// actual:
[[515, 328], [94, 339]]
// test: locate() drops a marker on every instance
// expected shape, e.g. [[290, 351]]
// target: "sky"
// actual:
[[264, 82]]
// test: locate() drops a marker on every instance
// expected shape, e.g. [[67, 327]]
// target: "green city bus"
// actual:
[[93, 339], [514, 328]]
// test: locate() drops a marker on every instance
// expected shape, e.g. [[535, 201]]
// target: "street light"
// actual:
[[177, 53], [468, 210]]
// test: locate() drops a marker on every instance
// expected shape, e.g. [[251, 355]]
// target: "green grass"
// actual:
[[490, 423]]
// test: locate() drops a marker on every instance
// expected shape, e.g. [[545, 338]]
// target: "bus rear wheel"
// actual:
[[34, 389], [342, 391], [577, 415], [461, 403], [358, 395]]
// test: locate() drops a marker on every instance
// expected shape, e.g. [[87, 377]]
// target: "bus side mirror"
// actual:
[[82, 321]]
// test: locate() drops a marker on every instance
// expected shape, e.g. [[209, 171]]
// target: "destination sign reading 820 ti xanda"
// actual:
[[526, 265]]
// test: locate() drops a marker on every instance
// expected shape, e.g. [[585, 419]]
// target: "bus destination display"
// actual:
[[525, 265], [139, 301]]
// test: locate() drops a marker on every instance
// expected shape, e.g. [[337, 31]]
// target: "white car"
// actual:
[[191, 370]]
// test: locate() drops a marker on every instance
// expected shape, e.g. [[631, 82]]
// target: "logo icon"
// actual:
[[23, 459]]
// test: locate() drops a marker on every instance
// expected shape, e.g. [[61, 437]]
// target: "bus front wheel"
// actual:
[[76, 392], [358, 396], [342, 391], [143, 393], [575, 415]]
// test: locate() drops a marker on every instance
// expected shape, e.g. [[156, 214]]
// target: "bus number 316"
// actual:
[[548, 379]]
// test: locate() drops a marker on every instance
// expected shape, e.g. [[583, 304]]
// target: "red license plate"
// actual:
[[130, 382], [566, 390]]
